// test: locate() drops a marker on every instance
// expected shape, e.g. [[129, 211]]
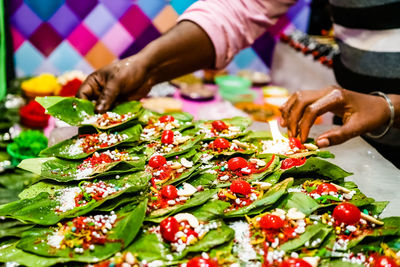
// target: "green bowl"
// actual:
[[233, 84], [16, 158]]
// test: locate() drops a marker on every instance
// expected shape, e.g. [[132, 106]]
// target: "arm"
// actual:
[[361, 113], [208, 35]]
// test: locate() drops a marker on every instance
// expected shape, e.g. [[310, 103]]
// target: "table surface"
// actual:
[[375, 176]]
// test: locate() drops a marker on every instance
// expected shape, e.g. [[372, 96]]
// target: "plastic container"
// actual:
[[16, 158], [235, 89]]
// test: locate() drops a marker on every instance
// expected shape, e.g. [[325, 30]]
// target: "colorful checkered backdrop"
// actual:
[[59, 35]]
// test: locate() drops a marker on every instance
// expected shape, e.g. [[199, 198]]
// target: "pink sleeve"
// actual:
[[234, 24]]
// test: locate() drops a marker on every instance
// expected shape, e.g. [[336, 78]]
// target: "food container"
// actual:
[[235, 89]]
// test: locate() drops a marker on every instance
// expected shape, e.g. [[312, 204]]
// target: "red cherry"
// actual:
[[169, 227], [166, 118], [219, 126], [169, 192], [167, 137], [221, 143], [292, 262], [346, 213], [157, 161], [294, 142], [384, 261], [237, 163], [292, 162], [240, 187], [326, 188], [270, 221], [201, 262]]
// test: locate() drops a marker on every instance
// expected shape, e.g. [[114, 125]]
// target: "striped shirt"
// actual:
[[368, 34]]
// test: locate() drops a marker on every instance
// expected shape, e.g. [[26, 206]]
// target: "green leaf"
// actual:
[[74, 111], [69, 109], [10, 253], [124, 231], [12, 228], [269, 198], [39, 201], [185, 147], [300, 201], [61, 149], [310, 232], [66, 170], [197, 199], [316, 167], [211, 210]]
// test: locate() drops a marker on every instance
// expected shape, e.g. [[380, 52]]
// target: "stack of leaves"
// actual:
[[137, 188]]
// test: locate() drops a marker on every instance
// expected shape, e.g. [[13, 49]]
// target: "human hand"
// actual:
[[360, 113], [120, 81]]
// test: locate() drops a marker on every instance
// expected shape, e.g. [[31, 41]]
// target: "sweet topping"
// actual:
[[89, 143], [166, 119], [326, 188], [201, 262], [187, 190], [167, 137], [237, 163], [292, 262], [157, 161], [107, 119], [292, 162], [240, 187], [182, 217], [220, 144], [82, 233], [219, 126], [346, 213], [270, 221], [169, 192], [168, 228]]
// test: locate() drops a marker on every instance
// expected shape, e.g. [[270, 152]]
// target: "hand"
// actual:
[[360, 113], [120, 81]]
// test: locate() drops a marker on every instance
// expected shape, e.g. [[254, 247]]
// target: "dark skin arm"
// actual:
[[184, 49], [361, 113]]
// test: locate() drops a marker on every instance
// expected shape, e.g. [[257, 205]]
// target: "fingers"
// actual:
[[90, 88], [293, 109], [329, 102], [340, 135], [107, 97]]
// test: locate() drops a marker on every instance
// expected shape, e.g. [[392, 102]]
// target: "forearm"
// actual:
[[184, 49], [396, 103]]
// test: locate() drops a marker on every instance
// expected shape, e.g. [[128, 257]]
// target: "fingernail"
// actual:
[[323, 142]]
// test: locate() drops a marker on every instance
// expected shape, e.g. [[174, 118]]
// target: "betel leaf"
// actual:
[[211, 210], [74, 111], [298, 242], [195, 200], [207, 179], [300, 201], [67, 170], [154, 147], [41, 200], [212, 239], [391, 227], [17, 179], [148, 115], [149, 247], [376, 208], [241, 123], [69, 109], [61, 149], [10, 253], [316, 167], [268, 199], [123, 232], [9, 227]]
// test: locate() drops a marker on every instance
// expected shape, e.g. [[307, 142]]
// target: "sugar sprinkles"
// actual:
[[82, 233], [89, 143], [107, 119]]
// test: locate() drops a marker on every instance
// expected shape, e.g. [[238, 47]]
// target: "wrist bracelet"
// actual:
[[392, 114]]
